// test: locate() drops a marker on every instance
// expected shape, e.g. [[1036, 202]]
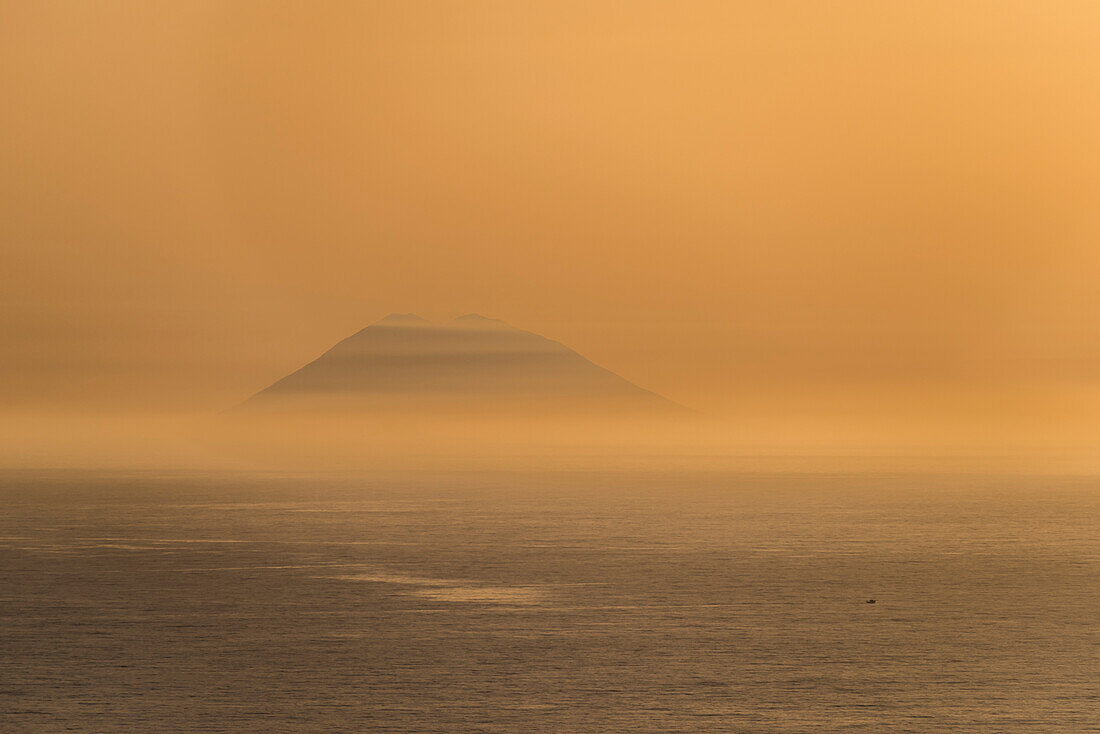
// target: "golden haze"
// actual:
[[824, 222]]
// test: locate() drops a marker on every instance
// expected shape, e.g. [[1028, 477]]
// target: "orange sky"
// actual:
[[746, 206]]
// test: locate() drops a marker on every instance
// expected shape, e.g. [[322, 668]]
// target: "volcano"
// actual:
[[404, 362]]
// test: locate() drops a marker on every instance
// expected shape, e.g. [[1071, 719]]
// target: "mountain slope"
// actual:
[[405, 362]]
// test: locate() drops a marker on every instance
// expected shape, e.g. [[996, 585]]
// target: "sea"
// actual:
[[549, 601]]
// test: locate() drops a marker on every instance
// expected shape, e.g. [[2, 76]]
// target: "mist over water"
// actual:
[[550, 601], [789, 307]]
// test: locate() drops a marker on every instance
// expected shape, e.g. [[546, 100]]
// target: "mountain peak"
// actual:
[[475, 361], [401, 318], [476, 319]]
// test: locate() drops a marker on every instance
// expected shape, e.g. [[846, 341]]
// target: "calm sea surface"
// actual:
[[552, 602]]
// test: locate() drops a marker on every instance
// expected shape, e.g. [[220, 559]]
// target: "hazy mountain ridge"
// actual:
[[404, 361]]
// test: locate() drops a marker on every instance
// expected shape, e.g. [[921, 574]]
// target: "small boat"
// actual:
[[870, 601]]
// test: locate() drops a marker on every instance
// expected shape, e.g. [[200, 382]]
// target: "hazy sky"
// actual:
[[722, 201]]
